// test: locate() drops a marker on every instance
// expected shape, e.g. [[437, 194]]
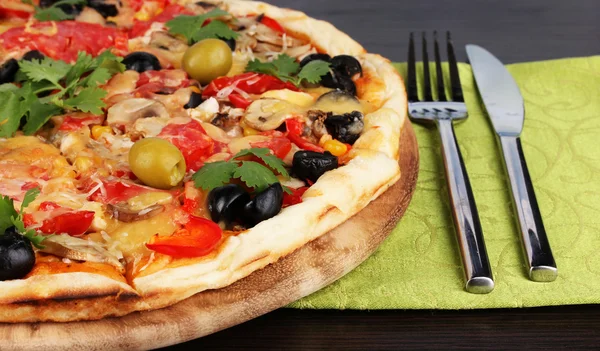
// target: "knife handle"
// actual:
[[541, 265], [478, 274]]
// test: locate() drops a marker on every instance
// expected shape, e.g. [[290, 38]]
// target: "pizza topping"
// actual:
[[157, 163], [263, 206], [8, 70], [269, 114], [295, 197], [310, 165], [16, 255], [124, 114], [50, 10], [198, 237], [207, 60], [193, 142], [345, 128], [61, 220], [141, 61], [226, 202], [106, 8], [195, 101], [287, 69], [81, 249], [125, 214], [203, 26], [338, 102], [9, 217]]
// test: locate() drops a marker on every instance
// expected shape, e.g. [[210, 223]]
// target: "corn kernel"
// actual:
[[83, 163], [249, 130], [142, 16], [97, 131], [335, 147]]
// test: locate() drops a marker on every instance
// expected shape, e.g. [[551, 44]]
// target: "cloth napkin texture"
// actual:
[[418, 265]]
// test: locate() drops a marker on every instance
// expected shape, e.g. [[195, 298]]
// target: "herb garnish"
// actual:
[[73, 87], [9, 217], [253, 174], [287, 69], [54, 12], [194, 30]]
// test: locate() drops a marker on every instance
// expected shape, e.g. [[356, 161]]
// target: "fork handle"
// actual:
[[478, 273], [541, 264]]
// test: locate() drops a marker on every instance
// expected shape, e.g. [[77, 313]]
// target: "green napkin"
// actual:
[[418, 266]]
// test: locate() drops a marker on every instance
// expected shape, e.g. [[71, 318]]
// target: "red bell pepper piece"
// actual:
[[303, 143], [280, 146], [251, 83], [273, 24], [71, 222], [198, 237], [239, 101], [295, 197], [294, 126]]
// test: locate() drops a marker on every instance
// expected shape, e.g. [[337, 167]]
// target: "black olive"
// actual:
[[310, 165], [16, 255], [263, 206], [313, 57], [230, 42], [226, 202], [141, 61], [33, 55], [8, 71], [346, 64], [195, 100], [72, 10], [339, 81], [104, 9], [205, 5], [345, 128]]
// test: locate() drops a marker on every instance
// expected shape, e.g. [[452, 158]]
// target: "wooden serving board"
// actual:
[[305, 271]]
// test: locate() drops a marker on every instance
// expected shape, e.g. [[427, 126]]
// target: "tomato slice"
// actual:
[[251, 83], [239, 101], [294, 126], [115, 191], [66, 221], [71, 123], [193, 142], [198, 237], [280, 146], [303, 143], [273, 24], [6, 12], [295, 197]]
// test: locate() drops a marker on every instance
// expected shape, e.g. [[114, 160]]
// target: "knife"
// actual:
[[505, 108]]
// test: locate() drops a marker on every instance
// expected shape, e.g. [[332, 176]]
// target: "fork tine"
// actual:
[[411, 87], [457, 94], [438, 70], [426, 79]]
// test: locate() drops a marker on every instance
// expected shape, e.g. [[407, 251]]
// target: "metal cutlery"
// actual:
[[505, 107], [442, 112]]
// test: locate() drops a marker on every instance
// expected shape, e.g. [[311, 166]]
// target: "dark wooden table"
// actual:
[[516, 31]]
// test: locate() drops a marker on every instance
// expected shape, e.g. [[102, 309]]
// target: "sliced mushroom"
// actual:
[[123, 213], [126, 112], [318, 118], [80, 249], [269, 114], [165, 41], [90, 15]]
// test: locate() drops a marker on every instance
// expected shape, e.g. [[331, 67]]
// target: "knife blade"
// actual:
[[505, 107]]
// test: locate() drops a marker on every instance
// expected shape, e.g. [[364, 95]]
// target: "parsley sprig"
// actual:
[[253, 174], [287, 69], [74, 88], [54, 12], [9, 217], [194, 30]]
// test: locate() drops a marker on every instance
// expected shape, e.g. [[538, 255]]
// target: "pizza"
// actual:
[[151, 150]]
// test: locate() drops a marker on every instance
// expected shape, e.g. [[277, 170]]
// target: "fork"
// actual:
[[442, 112]]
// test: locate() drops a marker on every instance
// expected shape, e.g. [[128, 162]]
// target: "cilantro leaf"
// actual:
[[88, 100], [83, 64], [287, 69], [267, 157], [191, 27], [109, 61], [313, 71], [215, 29], [46, 69], [98, 76], [287, 190], [7, 211], [255, 175], [55, 12], [214, 174], [30, 195], [39, 114], [10, 116], [8, 87]]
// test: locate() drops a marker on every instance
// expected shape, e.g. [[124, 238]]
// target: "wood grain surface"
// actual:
[[305, 271]]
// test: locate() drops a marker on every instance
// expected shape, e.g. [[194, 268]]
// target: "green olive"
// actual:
[[157, 163], [207, 60]]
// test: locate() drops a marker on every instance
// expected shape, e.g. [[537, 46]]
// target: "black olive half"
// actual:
[[226, 202], [230, 42], [263, 206], [313, 57], [339, 81], [310, 165], [104, 9], [195, 100], [8, 71], [33, 55], [141, 61], [346, 64], [345, 128], [16, 255], [72, 10]]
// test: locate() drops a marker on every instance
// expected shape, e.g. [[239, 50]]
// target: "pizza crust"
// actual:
[[333, 199]]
